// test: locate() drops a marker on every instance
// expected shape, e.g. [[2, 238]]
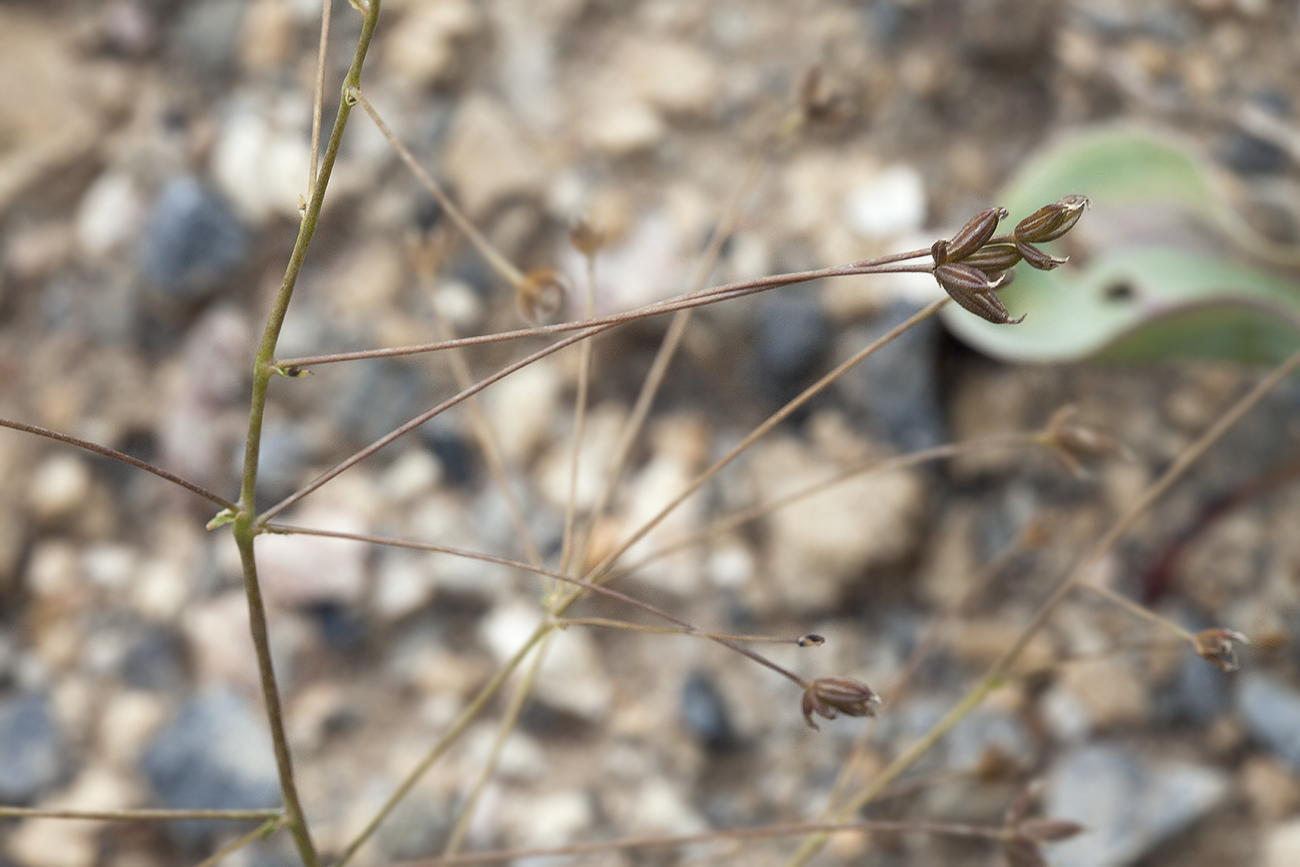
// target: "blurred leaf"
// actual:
[[1161, 268]]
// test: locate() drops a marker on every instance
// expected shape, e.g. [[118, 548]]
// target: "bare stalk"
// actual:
[[1137, 609], [319, 98], [714, 295], [605, 566], [668, 348], [508, 721], [758, 833], [566, 622], [499, 263], [871, 467], [140, 815], [580, 584], [118, 456], [997, 672], [244, 527], [449, 737]]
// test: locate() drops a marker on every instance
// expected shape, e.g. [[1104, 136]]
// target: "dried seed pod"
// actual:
[[540, 297], [1216, 646], [828, 697], [585, 236], [973, 290], [975, 233], [1074, 443], [1036, 258], [939, 252], [1051, 221], [993, 257]]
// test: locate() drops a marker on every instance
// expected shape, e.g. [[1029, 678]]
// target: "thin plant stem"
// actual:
[[411, 425], [244, 529], [1137, 609], [876, 465], [996, 674], [118, 456], [318, 100], [579, 422], [499, 263], [881, 826], [357, 457], [141, 815], [578, 583], [492, 453], [601, 569], [566, 622], [932, 638], [668, 348], [457, 728], [260, 833], [713, 295], [508, 721]]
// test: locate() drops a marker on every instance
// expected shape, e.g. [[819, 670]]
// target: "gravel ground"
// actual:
[[151, 158]]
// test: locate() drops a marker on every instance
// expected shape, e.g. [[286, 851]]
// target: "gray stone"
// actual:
[[192, 242], [1128, 804], [216, 754], [793, 333], [206, 36], [1271, 712], [31, 751], [895, 393], [704, 713], [989, 730]]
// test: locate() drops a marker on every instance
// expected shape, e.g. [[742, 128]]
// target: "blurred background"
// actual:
[[152, 155]]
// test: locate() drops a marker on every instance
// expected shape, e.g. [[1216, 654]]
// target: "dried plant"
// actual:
[[970, 267]]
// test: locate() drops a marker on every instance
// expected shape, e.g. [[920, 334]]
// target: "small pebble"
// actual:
[[32, 754], [192, 241], [215, 754], [59, 488]]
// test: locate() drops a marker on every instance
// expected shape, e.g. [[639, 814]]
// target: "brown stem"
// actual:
[[714, 295], [117, 456], [759, 833], [140, 815]]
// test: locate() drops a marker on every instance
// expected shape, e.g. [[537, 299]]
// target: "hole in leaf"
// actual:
[[1120, 291]]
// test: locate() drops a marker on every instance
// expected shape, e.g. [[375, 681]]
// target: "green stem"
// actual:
[[244, 528]]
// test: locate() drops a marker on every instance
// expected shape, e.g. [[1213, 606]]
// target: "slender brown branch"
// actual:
[[996, 674], [714, 295], [879, 826], [1137, 609], [423, 417], [117, 456], [753, 286], [667, 351], [492, 452], [606, 565], [565, 622], [140, 815], [499, 263], [558, 576], [318, 100], [871, 467], [457, 728], [579, 423]]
